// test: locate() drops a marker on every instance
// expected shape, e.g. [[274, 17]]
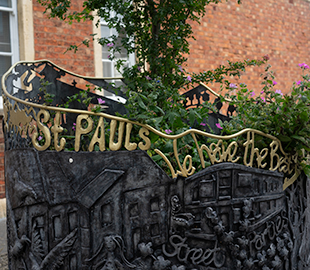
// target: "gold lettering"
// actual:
[[45, 130], [231, 155], [80, 130], [56, 129], [96, 139], [274, 147], [128, 145], [112, 145], [253, 151], [174, 175], [143, 132]]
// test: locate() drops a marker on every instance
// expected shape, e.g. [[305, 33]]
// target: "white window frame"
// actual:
[[131, 57], [13, 34], [130, 62]]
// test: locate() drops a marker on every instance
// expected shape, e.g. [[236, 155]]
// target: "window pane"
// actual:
[[5, 64], [107, 69], [5, 44], [105, 31], [5, 3], [105, 53]]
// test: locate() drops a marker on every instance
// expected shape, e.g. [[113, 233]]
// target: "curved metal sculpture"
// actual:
[[106, 205]]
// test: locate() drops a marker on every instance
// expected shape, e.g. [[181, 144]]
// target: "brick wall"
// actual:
[[228, 31], [52, 37]]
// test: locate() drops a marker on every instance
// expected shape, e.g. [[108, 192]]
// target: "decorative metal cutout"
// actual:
[[28, 122]]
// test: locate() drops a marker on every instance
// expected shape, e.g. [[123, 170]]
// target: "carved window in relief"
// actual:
[[106, 214], [155, 230], [136, 237], [57, 227], [154, 203], [134, 210], [195, 194], [73, 220], [39, 224]]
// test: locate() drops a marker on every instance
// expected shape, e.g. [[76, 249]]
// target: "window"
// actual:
[[109, 66], [9, 53]]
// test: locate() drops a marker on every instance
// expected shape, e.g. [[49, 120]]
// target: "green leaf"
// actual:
[[302, 139], [141, 104]]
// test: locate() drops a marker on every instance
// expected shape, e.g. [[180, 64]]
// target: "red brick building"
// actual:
[[228, 31]]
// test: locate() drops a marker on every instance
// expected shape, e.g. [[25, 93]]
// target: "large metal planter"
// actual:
[[118, 209]]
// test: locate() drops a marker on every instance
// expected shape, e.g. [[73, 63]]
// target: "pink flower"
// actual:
[[232, 85], [218, 125], [252, 94], [109, 56], [298, 82], [274, 82], [74, 124], [101, 101], [168, 131], [278, 91], [111, 44], [40, 138], [263, 99], [189, 78], [262, 92], [180, 68], [203, 124], [303, 65]]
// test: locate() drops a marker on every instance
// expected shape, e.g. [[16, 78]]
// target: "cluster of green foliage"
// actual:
[[285, 116]]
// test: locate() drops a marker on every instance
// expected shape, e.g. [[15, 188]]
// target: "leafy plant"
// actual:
[[285, 116]]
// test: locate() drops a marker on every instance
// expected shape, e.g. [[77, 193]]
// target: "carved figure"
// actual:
[[179, 219], [109, 261]]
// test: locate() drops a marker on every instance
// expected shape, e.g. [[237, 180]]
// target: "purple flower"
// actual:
[[278, 91], [252, 94], [148, 78], [232, 85], [274, 82], [303, 65], [203, 124], [189, 78], [218, 125], [109, 56], [40, 138], [139, 69], [180, 68], [168, 131], [101, 101], [262, 92], [263, 99], [111, 44], [298, 82], [74, 124]]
